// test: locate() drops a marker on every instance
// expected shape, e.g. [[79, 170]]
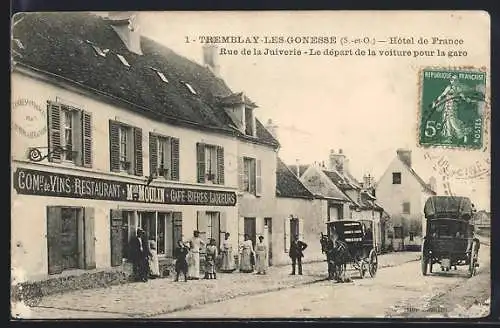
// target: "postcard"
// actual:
[[257, 164]]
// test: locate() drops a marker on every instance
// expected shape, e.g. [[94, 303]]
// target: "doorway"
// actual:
[[250, 229], [268, 227], [69, 238]]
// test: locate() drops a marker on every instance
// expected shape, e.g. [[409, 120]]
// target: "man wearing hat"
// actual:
[[139, 253]]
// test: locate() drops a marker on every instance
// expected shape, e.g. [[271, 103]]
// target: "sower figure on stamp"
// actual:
[[448, 102], [296, 253]]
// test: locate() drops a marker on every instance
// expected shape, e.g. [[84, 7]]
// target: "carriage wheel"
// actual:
[[372, 263], [473, 260]]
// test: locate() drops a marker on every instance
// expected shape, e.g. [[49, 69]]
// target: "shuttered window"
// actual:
[[164, 156], [70, 134], [250, 176], [125, 148], [210, 163]]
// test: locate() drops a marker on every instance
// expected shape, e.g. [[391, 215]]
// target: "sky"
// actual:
[[366, 106]]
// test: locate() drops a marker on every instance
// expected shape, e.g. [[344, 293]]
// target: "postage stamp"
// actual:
[[452, 108]]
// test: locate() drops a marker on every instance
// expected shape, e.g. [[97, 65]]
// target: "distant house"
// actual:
[[362, 206], [347, 198], [298, 212], [402, 193]]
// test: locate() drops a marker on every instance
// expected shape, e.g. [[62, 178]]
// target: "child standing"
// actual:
[[210, 260], [181, 265]]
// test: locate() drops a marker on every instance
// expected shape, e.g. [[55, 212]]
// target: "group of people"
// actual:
[[187, 257]]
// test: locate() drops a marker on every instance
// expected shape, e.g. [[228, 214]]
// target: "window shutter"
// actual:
[[220, 165], [87, 139], [138, 169], [177, 233], [116, 237], [241, 229], [258, 179], [241, 173], [301, 229], [54, 125], [54, 225], [200, 161], [114, 146], [286, 233], [175, 159], [153, 154], [89, 237]]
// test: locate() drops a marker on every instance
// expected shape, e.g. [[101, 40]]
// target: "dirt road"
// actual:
[[399, 291]]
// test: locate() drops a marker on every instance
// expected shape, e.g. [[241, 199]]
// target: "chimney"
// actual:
[[297, 166], [337, 160], [211, 57], [126, 25], [367, 181], [405, 156], [272, 128]]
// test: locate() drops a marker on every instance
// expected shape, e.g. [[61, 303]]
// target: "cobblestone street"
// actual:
[[164, 296]]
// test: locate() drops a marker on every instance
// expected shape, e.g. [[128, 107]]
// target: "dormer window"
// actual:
[[99, 51], [160, 75], [190, 88], [19, 44], [123, 60], [249, 122]]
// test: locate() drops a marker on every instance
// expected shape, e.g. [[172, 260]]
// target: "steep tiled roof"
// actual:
[[289, 185], [417, 177], [61, 45]]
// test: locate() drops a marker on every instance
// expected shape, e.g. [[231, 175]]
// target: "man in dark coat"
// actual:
[[139, 253], [297, 248]]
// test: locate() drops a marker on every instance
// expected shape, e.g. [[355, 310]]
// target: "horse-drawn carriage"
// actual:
[[348, 242], [449, 239]]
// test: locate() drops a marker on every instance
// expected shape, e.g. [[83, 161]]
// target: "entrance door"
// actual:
[[69, 238], [250, 229], [268, 223]]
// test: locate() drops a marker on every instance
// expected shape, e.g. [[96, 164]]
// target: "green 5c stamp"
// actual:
[[451, 108]]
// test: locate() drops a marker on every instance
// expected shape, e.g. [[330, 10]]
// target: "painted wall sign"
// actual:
[[41, 183], [29, 118]]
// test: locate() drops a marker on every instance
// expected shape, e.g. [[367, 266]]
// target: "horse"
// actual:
[[337, 256]]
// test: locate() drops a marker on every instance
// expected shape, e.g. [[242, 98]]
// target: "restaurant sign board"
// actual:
[[42, 183]]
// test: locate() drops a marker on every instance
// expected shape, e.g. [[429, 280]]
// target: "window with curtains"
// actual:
[[250, 175], [210, 163], [125, 148], [164, 156], [70, 134]]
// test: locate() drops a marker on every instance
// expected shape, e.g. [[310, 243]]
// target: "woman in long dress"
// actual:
[[261, 256], [194, 256], [227, 255], [154, 267], [246, 254]]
